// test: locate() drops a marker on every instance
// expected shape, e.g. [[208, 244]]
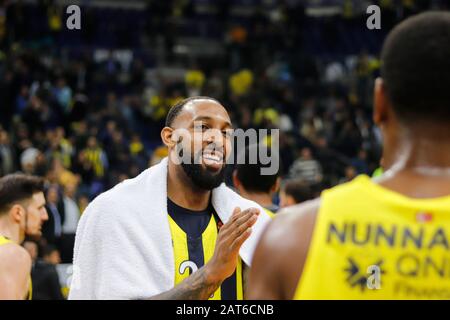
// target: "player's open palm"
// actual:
[[230, 239]]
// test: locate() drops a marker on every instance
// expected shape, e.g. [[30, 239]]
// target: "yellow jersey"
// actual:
[[194, 236], [3, 241], [373, 243]]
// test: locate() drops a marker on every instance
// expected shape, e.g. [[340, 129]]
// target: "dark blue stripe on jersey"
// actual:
[[195, 251], [228, 289]]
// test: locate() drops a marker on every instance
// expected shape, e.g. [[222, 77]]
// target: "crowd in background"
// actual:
[[86, 124]]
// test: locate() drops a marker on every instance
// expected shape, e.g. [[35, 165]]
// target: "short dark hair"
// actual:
[[250, 174], [48, 249], [298, 189], [15, 188], [178, 107], [416, 67]]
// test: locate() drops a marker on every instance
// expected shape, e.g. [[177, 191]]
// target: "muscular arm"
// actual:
[[281, 254], [15, 267], [199, 286]]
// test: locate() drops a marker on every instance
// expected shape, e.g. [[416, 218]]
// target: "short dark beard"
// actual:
[[201, 177]]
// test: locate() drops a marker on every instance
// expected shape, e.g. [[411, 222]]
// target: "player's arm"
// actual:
[[281, 254], [205, 281], [15, 270]]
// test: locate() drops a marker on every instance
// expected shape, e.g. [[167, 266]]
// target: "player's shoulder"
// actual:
[[291, 224], [282, 250], [297, 218], [14, 255], [290, 229], [348, 189]]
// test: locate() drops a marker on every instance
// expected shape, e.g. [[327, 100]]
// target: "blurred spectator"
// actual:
[[195, 80], [32, 162], [83, 202], [52, 228], [360, 162], [46, 283], [69, 227], [241, 82], [350, 174], [54, 15], [293, 192], [159, 153], [59, 147], [63, 95], [6, 154], [32, 248], [306, 168], [96, 157], [59, 174]]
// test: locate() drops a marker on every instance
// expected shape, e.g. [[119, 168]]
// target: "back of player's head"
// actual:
[[15, 188], [298, 190], [249, 174], [416, 68]]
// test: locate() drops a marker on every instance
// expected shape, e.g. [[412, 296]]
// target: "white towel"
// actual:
[[123, 247]]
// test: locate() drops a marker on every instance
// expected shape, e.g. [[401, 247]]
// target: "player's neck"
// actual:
[[424, 154], [184, 193], [10, 231], [418, 165]]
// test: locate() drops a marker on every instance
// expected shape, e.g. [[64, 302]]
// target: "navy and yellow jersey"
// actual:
[[194, 235], [95, 157]]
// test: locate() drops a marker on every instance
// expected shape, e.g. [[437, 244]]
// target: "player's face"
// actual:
[[36, 215], [208, 143]]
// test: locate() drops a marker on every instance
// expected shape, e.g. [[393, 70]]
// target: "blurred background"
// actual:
[[84, 108]]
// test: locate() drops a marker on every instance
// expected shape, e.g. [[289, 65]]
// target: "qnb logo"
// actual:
[[364, 279], [187, 264]]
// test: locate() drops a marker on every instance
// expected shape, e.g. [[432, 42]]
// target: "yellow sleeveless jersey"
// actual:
[[3, 241], [373, 243]]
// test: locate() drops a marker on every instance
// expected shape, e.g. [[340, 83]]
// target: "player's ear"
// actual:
[[17, 212], [167, 137], [380, 102]]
